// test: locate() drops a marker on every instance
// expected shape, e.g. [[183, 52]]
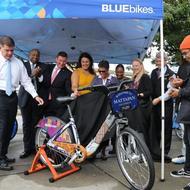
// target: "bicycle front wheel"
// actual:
[[135, 160]]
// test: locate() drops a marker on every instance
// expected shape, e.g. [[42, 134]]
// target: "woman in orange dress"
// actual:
[[83, 75]]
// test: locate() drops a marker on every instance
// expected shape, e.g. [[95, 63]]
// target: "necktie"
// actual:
[[54, 74], [34, 78], [8, 89]]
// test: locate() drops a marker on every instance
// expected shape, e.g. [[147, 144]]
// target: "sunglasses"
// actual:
[[101, 71]]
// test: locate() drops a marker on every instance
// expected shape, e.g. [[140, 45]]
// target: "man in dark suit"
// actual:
[[28, 106], [155, 136], [56, 82]]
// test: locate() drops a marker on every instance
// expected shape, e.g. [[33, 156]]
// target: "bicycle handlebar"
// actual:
[[95, 88], [105, 89], [124, 83]]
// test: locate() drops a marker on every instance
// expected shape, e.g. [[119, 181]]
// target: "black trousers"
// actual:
[[187, 145], [8, 110], [146, 122], [155, 131], [30, 116]]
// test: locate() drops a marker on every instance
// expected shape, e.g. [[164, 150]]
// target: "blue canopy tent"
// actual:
[[106, 35], [117, 40], [116, 30]]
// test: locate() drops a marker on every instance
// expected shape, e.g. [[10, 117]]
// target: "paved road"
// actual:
[[97, 175]]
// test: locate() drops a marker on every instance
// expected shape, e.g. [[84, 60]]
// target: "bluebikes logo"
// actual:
[[124, 100], [11, 9], [126, 8]]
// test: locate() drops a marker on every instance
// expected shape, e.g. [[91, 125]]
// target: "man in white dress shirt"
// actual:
[[8, 96]]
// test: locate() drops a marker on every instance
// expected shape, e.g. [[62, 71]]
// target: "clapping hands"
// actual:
[[36, 72]]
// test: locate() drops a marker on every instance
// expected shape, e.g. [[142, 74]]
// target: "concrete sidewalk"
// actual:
[[97, 175]]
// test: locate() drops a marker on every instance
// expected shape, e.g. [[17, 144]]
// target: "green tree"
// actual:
[[176, 25]]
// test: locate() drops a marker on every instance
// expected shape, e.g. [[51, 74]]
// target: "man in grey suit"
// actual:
[[29, 108]]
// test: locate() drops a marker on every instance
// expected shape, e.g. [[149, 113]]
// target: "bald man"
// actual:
[[30, 111]]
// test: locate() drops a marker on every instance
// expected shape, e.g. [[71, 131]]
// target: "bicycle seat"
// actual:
[[65, 99]]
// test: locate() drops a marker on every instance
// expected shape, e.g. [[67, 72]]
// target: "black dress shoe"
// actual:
[[5, 166], [25, 154], [10, 160], [167, 159]]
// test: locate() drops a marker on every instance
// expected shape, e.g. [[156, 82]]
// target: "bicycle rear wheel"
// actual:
[[56, 158], [135, 160], [43, 134]]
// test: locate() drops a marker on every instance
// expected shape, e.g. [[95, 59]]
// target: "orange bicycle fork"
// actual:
[[37, 166]]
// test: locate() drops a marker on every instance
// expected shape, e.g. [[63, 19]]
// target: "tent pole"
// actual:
[[163, 103]]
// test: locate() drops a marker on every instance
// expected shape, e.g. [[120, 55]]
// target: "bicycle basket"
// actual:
[[122, 101]]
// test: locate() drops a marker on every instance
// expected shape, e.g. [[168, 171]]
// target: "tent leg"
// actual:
[[162, 103]]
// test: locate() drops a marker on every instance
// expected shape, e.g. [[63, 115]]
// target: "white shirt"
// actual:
[[105, 80], [18, 75], [166, 95]]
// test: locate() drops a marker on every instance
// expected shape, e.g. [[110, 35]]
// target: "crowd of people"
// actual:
[[40, 85]]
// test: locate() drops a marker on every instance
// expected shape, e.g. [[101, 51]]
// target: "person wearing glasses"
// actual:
[[104, 76], [83, 75], [182, 90], [106, 79]]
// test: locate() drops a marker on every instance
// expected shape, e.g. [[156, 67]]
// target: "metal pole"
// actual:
[[163, 103]]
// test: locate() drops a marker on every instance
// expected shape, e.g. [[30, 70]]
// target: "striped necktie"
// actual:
[[8, 89]]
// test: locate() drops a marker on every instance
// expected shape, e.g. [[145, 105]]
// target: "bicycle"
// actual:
[[62, 143]]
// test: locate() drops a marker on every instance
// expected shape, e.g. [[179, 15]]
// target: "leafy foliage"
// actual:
[[176, 25]]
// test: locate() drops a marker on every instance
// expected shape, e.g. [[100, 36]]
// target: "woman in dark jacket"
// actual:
[[142, 83]]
